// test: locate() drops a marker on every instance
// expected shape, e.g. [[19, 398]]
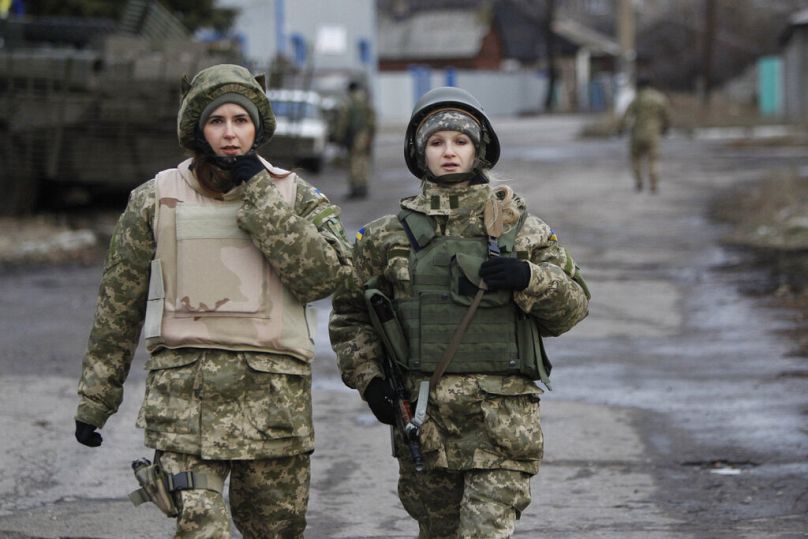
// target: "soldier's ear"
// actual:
[[185, 85], [262, 80]]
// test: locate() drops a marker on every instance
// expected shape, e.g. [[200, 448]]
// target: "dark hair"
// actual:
[[208, 175], [643, 82], [212, 178], [353, 85]]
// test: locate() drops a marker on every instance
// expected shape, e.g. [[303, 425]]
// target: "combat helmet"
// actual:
[[449, 97], [212, 83]]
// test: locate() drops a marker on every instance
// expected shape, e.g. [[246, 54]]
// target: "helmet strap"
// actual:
[[474, 176]]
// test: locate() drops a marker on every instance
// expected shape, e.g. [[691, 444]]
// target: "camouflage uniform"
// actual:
[[356, 128], [216, 410], [482, 439], [648, 117]]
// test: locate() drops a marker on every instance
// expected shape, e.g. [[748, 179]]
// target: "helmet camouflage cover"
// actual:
[[213, 82], [448, 97]]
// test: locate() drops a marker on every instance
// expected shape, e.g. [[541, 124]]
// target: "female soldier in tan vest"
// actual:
[[216, 260]]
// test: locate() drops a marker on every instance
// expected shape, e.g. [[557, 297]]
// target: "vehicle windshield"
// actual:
[[295, 110]]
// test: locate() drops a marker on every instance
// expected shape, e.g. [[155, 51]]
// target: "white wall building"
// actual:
[[334, 36]]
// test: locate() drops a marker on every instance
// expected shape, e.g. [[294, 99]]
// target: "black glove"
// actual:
[[380, 399], [86, 434], [245, 167], [503, 273]]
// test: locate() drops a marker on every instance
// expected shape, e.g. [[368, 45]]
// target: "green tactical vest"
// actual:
[[444, 271]]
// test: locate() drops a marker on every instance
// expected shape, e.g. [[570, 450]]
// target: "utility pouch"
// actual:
[[534, 362], [153, 487], [152, 327], [385, 322]]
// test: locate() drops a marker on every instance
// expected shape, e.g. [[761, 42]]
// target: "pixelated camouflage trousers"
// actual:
[[468, 504], [358, 168], [268, 497], [645, 151]]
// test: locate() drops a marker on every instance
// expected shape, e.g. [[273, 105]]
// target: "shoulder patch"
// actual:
[[360, 233], [553, 235]]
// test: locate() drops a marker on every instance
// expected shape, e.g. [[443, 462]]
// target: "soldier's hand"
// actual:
[[380, 399], [245, 167], [86, 434], [503, 273]]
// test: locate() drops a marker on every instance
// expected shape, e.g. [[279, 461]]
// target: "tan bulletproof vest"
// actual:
[[210, 286]]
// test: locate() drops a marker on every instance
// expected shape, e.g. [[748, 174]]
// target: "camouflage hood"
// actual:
[[213, 82]]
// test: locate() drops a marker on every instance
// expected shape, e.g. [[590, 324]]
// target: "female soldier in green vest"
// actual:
[[460, 247], [215, 260]]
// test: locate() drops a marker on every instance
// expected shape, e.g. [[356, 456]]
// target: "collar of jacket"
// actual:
[[448, 199]]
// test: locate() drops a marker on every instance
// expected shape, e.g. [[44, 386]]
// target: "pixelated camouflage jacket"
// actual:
[[356, 121], [472, 420], [648, 116], [310, 260]]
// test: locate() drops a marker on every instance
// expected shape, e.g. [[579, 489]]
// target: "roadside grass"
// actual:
[[769, 214], [768, 222]]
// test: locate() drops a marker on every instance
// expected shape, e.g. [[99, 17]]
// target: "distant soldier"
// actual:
[[648, 117], [216, 260], [356, 127]]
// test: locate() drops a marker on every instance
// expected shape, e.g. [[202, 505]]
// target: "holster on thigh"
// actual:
[[158, 487]]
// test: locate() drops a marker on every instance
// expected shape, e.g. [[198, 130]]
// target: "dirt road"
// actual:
[[678, 409]]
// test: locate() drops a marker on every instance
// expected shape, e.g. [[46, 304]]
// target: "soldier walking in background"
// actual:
[[472, 281], [648, 118], [216, 260], [356, 127]]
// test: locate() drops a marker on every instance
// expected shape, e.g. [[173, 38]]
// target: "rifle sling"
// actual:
[[454, 344]]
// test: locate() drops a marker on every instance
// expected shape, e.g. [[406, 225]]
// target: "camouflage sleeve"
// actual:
[[120, 309], [352, 335], [313, 205], [371, 120], [557, 295], [341, 127], [301, 243], [626, 118]]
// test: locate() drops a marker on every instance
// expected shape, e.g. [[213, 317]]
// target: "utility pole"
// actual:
[[707, 50], [549, 36], [628, 54]]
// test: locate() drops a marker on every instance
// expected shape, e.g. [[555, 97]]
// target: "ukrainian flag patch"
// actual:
[[360, 233], [553, 236]]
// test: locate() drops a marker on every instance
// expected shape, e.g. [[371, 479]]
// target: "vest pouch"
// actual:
[[153, 323], [465, 276], [534, 362], [488, 346], [219, 270], [383, 317], [392, 329]]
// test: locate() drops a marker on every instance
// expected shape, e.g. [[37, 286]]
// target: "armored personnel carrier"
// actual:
[[91, 104]]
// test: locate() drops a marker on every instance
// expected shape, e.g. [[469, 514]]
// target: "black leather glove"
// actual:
[[380, 399], [503, 273], [86, 434], [245, 167]]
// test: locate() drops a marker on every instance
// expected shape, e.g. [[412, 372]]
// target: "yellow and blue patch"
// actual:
[[360, 233], [553, 236]]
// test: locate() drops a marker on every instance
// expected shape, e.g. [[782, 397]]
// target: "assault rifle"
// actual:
[[386, 324]]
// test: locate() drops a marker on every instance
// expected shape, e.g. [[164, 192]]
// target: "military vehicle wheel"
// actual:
[[19, 193]]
